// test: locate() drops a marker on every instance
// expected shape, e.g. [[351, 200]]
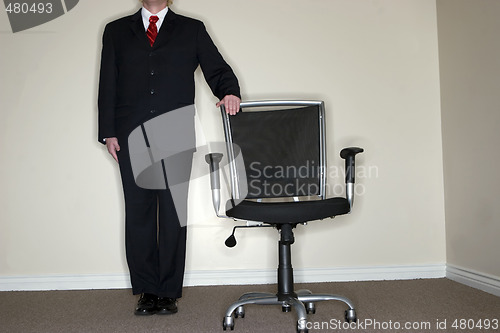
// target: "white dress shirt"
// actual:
[[146, 14]]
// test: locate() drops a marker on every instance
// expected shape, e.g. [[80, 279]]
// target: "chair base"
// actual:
[[302, 300], [303, 304]]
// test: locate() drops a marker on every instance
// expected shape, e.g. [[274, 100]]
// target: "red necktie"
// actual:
[[152, 29]]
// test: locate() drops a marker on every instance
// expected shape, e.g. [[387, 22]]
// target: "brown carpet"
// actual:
[[383, 303]]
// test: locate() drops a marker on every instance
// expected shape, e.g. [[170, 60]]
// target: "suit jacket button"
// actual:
[[152, 72], [152, 91], [152, 111]]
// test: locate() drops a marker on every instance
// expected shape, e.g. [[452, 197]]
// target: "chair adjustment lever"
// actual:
[[231, 240]]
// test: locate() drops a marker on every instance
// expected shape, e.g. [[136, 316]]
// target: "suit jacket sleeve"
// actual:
[[107, 88], [218, 74]]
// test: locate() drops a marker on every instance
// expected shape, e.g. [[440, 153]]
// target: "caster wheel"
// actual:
[[350, 316], [240, 312], [310, 307], [286, 308], [228, 322]]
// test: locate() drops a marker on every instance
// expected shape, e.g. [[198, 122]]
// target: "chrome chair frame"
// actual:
[[302, 301]]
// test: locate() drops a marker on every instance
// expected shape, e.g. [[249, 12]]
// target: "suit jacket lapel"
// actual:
[[138, 28], [166, 30]]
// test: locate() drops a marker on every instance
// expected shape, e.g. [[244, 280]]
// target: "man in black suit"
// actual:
[[147, 69]]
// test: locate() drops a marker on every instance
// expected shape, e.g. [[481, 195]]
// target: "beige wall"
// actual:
[[375, 63], [469, 52]]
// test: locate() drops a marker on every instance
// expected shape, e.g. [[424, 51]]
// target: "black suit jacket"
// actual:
[[139, 82]]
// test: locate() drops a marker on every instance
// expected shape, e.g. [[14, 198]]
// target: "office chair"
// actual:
[[276, 156]]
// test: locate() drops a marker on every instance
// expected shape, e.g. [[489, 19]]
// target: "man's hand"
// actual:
[[232, 104], [113, 147]]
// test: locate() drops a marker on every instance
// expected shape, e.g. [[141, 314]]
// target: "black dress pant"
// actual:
[[155, 241]]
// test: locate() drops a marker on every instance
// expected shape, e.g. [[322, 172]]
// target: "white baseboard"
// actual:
[[64, 282], [481, 281], [474, 279], [226, 277], [311, 275]]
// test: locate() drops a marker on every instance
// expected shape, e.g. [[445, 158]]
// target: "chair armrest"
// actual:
[[213, 159], [349, 155]]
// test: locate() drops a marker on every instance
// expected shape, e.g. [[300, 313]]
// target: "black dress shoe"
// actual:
[[147, 305], [166, 305]]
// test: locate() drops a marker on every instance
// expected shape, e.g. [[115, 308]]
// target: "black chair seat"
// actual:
[[289, 212]]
